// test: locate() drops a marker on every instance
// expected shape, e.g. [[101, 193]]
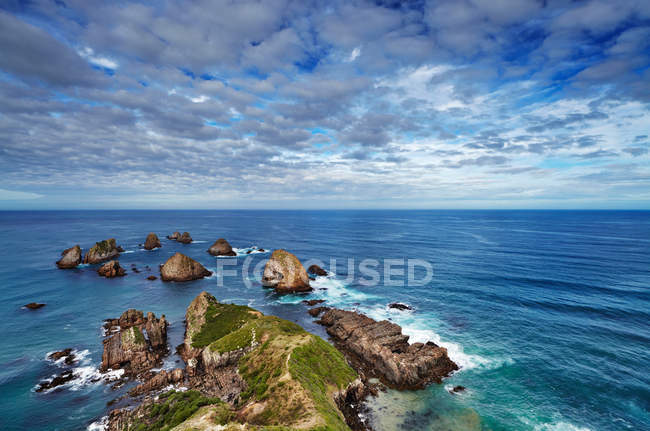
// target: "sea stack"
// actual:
[[102, 251], [182, 268], [152, 242], [71, 258], [185, 238], [174, 236], [285, 273], [221, 247], [111, 269]]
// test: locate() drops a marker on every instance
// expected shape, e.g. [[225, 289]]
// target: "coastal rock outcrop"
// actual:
[[182, 268], [285, 273], [174, 236], [379, 349], [152, 242], [317, 270], [34, 305], [68, 356], [185, 238], [71, 258], [221, 247], [126, 346], [111, 269], [103, 251], [157, 381]]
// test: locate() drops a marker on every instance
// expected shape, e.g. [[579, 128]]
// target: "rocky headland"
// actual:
[[182, 268], [103, 251], [285, 273]]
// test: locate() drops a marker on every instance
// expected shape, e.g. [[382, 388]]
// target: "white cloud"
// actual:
[[12, 195]]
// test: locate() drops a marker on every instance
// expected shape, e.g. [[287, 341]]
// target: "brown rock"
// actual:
[[221, 247], [313, 302], [102, 251], [71, 258], [182, 268], [152, 242], [380, 349], [111, 269], [174, 236], [185, 238], [159, 381], [59, 380], [317, 270], [66, 353], [314, 312], [34, 305], [285, 273], [152, 277]]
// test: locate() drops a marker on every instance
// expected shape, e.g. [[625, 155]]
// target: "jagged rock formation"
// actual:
[[221, 247], [111, 269], [317, 270], [245, 370], [103, 251], [285, 273], [379, 349], [185, 238], [70, 357], [174, 236], [71, 258], [182, 268], [126, 346], [152, 242]]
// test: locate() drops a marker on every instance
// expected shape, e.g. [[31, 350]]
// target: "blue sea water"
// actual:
[[546, 312]]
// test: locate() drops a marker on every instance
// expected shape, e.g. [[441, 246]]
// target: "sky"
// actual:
[[284, 104]]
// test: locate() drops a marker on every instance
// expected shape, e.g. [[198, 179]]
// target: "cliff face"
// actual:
[[246, 370]]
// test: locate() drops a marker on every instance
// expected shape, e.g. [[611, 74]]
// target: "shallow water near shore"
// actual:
[[546, 312]]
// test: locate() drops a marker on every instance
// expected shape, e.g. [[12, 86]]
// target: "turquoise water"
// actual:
[[546, 311]]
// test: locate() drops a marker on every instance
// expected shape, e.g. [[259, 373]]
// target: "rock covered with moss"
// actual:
[[152, 242], [182, 268], [248, 371], [111, 269], [134, 343], [71, 258], [285, 273], [103, 251], [221, 247]]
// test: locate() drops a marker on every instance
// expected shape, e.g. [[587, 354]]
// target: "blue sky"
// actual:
[[299, 104]]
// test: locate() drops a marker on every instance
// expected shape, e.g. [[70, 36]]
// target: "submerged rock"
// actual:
[[128, 348], [185, 238], [102, 251], [400, 306], [221, 247], [152, 277], [59, 380], [111, 269], [312, 302], [317, 270], [34, 305], [70, 357], [457, 389], [379, 349], [182, 268], [71, 258], [174, 236], [152, 242], [285, 273]]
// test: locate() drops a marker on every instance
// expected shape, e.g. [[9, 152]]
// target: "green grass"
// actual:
[[133, 335], [221, 320], [174, 408]]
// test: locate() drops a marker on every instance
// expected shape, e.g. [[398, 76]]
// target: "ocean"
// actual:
[[546, 312]]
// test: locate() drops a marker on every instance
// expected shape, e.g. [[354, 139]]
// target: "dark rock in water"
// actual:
[[457, 389], [152, 277], [285, 273], [314, 312], [59, 380], [312, 278], [221, 247], [400, 306], [70, 358], [34, 305], [129, 349], [111, 269], [312, 302], [102, 251], [379, 349], [185, 238], [182, 268], [261, 250], [174, 236], [71, 258], [317, 270], [249, 251], [136, 270], [152, 242]]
